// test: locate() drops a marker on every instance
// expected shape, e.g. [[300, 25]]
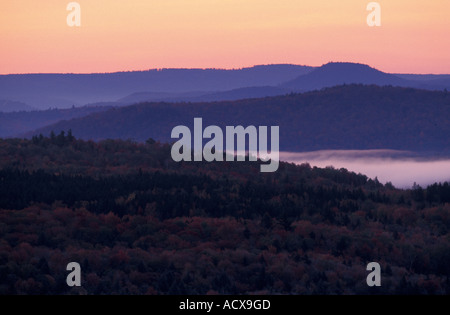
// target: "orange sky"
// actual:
[[118, 35]]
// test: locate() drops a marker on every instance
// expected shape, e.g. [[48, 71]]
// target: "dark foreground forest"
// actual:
[[139, 223]]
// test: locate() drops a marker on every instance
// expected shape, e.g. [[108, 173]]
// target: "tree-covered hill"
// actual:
[[139, 223], [343, 117]]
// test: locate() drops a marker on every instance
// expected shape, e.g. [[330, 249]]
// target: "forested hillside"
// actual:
[[343, 117], [139, 223]]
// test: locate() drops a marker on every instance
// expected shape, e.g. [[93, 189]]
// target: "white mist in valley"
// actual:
[[387, 165]]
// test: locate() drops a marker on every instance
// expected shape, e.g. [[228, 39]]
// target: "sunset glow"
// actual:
[[138, 35]]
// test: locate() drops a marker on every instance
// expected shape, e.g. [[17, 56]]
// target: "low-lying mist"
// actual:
[[397, 167]]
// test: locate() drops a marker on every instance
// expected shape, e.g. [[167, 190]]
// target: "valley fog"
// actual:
[[387, 165]]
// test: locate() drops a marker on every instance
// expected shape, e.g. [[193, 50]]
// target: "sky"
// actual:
[[118, 35]]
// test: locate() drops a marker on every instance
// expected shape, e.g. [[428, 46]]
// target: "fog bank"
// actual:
[[400, 168]]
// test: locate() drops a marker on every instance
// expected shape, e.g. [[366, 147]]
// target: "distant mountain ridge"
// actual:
[[344, 117], [64, 90], [338, 73], [45, 91]]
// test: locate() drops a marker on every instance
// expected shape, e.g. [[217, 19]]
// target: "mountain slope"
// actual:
[[344, 117]]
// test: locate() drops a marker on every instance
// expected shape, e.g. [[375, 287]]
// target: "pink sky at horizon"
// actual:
[[139, 35]]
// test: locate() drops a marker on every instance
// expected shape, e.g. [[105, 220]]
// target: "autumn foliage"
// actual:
[[139, 223]]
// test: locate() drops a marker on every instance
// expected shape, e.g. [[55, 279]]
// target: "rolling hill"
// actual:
[[338, 73], [127, 211], [65, 90], [44, 91], [343, 117]]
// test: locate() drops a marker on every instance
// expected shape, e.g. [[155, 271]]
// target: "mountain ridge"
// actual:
[[65, 90], [44, 91], [344, 117]]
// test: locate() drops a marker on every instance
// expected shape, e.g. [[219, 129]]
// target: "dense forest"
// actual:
[[349, 117], [139, 223]]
